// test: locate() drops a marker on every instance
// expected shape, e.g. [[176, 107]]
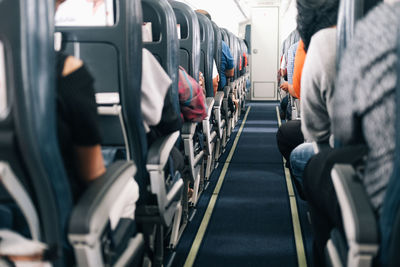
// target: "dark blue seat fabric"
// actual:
[[207, 52], [28, 140], [225, 36], [164, 46], [217, 45], [189, 44], [390, 218], [113, 55], [233, 47]]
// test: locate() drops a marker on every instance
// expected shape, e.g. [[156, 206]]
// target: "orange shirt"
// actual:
[[298, 68]]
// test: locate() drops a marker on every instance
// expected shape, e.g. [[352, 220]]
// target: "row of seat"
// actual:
[[362, 228], [31, 167], [365, 238]]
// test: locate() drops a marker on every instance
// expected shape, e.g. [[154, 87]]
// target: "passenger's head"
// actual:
[[315, 15], [205, 13], [58, 3]]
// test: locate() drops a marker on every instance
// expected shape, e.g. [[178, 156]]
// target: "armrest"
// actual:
[[159, 152], [358, 217], [188, 129], [219, 96], [210, 104], [91, 214], [320, 146]]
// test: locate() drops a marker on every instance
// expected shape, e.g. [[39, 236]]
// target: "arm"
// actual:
[[291, 91], [230, 72], [215, 84], [88, 159], [315, 80], [285, 86]]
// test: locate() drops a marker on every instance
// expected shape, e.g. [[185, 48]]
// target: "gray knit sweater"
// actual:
[[317, 84], [363, 102]]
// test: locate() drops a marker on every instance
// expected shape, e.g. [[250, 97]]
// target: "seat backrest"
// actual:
[[217, 48], [165, 43], [349, 12], [248, 37], [217, 45], [239, 56], [29, 151], [206, 52], [390, 216], [189, 52], [234, 52], [225, 37], [114, 57]]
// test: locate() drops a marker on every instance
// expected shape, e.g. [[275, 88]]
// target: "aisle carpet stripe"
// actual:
[[298, 235]]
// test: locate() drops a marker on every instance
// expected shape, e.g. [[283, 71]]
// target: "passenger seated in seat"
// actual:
[[289, 134], [364, 108], [227, 69], [78, 129], [79, 142], [317, 81], [287, 86]]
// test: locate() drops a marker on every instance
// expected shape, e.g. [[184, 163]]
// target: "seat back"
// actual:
[[243, 50], [30, 162], [234, 52], [114, 57], [206, 52], [239, 56], [189, 44], [349, 12], [390, 217], [217, 45], [248, 38], [225, 37], [165, 41]]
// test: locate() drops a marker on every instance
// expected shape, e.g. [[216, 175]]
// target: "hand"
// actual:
[[285, 86], [201, 80]]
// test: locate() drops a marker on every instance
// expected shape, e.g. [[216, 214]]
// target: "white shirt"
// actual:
[[155, 84]]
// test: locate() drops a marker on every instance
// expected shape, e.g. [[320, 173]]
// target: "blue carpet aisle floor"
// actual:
[[251, 222]]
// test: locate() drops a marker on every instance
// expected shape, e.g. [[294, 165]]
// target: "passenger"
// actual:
[[289, 41], [289, 134], [79, 141], [298, 69], [290, 68], [78, 128], [364, 108], [317, 81], [317, 87], [215, 80], [282, 74], [227, 68], [287, 86]]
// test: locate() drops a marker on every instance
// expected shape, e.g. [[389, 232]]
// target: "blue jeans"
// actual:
[[299, 159]]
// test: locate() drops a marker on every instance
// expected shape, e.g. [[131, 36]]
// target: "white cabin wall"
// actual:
[[225, 13], [288, 13]]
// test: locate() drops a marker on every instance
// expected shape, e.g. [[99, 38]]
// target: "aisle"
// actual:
[[251, 221]]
